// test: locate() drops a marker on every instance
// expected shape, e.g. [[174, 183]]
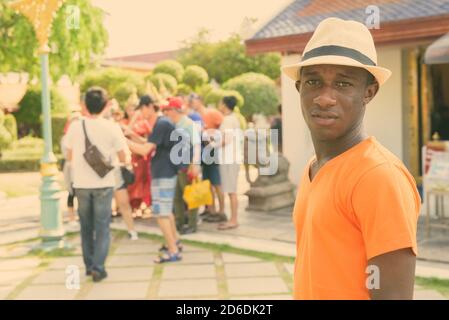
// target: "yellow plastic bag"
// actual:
[[198, 194]]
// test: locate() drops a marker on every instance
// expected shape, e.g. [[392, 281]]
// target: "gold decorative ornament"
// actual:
[[41, 14]]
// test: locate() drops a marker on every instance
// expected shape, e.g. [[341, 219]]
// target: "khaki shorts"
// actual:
[[229, 174]]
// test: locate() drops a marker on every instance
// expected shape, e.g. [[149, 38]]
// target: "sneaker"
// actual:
[[187, 230], [98, 276], [205, 214], [132, 235], [219, 217]]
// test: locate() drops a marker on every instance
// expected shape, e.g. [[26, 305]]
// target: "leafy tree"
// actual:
[[195, 76], [74, 47], [171, 67], [259, 92], [29, 114], [226, 59]]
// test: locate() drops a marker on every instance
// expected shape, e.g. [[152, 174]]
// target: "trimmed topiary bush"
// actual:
[[195, 76], [171, 67], [115, 81], [216, 95], [184, 90], [259, 92], [166, 80]]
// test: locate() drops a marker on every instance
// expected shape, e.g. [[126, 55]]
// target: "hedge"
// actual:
[[18, 165], [195, 76], [171, 67]]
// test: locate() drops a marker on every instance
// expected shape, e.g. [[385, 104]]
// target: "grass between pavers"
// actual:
[[440, 285], [224, 248]]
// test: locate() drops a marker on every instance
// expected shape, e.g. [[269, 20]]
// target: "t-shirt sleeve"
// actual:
[[386, 207], [119, 140], [69, 136], [159, 131]]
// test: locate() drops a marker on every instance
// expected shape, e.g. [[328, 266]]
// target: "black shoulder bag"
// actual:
[[94, 157]]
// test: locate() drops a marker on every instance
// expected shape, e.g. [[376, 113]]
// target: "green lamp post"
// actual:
[[41, 14]]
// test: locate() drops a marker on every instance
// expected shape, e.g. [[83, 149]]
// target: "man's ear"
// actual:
[[370, 92]]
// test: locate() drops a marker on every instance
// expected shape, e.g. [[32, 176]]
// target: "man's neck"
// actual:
[[326, 150]]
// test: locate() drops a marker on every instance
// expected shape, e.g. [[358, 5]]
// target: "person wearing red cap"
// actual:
[[163, 181], [188, 137]]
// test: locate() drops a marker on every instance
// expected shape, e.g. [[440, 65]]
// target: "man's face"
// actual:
[[147, 111], [333, 99]]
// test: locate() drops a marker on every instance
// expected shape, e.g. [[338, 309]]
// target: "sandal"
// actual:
[[226, 226], [168, 257], [164, 247]]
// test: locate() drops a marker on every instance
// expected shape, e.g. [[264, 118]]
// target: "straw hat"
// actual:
[[340, 42]]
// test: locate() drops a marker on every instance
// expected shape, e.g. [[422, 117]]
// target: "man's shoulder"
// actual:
[[378, 162]]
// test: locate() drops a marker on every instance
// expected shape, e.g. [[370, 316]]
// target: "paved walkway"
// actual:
[[202, 274], [265, 232]]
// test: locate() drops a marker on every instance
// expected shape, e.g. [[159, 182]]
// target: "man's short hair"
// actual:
[[95, 99], [230, 102]]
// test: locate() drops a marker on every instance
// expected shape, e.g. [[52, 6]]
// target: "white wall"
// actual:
[[382, 120], [297, 144]]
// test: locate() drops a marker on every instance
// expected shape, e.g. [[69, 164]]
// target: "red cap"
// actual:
[[173, 103]]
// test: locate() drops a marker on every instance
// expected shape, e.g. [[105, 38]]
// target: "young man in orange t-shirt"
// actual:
[[357, 205]]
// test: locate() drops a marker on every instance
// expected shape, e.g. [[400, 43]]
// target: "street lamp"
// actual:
[[41, 13]]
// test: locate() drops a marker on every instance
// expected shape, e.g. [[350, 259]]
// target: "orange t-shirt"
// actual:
[[360, 204]]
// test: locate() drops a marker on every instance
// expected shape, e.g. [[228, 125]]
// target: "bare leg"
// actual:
[[173, 227], [234, 206], [122, 201], [166, 227], [220, 197], [211, 208]]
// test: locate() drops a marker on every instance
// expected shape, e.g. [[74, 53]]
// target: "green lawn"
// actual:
[[442, 286]]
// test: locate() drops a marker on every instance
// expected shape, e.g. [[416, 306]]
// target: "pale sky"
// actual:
[[144, 26]]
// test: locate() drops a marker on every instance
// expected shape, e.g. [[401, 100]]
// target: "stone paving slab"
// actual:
[[197, 258], [188, 288], [14, 277], [137, 249], [142, 260], [189, 272], [231, 258], [428, 295], [116, 291], [5, 291], [22, 263], [251, 269], [64, 262], [57, 277], [256, 286], [129, 274], [290, 267], [47, 292]]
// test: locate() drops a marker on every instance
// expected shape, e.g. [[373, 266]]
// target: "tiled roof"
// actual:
[[303, 16]]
